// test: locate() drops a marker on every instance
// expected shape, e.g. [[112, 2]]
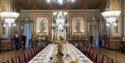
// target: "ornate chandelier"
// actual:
[[60, 17], [9, 18], [60, 1], [111, 15]]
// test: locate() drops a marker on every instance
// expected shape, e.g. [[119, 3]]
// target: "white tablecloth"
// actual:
[[51, 51], [74, 53], [45, 54]]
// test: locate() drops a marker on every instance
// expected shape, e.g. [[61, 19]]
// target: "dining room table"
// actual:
[[69, 51], [47, 55]]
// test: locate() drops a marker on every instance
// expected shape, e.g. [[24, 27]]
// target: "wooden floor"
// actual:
[[113, 54]]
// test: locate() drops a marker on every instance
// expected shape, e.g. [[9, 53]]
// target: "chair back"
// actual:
[[94, 58], [110, 60], [100, 58], [91, 53], [88, 51], [15, 59], [105, 59], [21, 58], [26, 56]]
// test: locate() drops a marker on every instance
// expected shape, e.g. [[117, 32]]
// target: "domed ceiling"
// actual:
[[43, 5]]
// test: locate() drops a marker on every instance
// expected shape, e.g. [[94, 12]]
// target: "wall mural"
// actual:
[[42, 26], [77, 25]]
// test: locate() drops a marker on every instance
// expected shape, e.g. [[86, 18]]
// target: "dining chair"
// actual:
[[84, 49], [94, 57], [26, 56], [29, 54], [15, 59], [100, 58], [110, 60], [21, 58], [91, 53], [88, 51], [33, 52], [105, 59]]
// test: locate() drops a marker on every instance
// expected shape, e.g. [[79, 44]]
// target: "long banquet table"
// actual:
[[74, 54], [51, 51], [45, 54]]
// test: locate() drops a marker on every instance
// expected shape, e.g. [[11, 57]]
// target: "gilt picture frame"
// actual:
[[77, 26], [42, 23]]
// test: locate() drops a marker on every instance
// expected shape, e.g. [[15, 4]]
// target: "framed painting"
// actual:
[[42, 26], [42, 23], [77, 26]]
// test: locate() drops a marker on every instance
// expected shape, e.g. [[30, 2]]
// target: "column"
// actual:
[[122, 17]]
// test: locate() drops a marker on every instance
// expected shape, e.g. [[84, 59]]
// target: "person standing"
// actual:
[[23, 41], [28, 32], [16, 41], [91, 40], [100, 40]]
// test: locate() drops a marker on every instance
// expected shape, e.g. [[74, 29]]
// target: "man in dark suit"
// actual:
[[91, 40], [23, 41], [16, 41]]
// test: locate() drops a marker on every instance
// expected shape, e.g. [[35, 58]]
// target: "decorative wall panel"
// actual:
[[78, 25], [78, 20], [42, 23]]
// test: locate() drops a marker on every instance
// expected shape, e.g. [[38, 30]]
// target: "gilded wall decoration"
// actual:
[[78, 25], [78, 22], [42, 23], [4, 5]]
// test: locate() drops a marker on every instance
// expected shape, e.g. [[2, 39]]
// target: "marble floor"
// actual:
[[113, 54]]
